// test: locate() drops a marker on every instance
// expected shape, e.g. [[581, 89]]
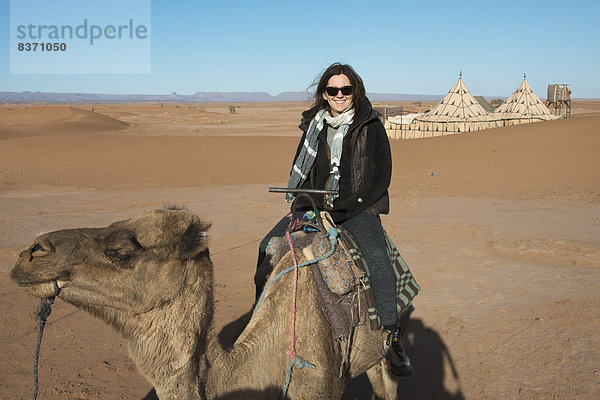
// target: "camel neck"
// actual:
[[170, 345], [232, 372]]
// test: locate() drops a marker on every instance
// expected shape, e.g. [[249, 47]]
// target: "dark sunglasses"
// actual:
[[333, 91]]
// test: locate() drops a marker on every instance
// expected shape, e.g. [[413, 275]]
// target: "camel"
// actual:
[[151, 279]]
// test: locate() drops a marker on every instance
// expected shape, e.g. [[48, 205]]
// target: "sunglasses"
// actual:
[[333, 91]]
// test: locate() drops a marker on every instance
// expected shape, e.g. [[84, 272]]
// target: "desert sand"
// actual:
[[500, 227]]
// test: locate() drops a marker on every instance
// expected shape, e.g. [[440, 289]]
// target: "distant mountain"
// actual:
[[198, 97], [232, 96], [403, 97]]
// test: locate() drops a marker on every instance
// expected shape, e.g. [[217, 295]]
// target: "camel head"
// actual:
[[130, 266]]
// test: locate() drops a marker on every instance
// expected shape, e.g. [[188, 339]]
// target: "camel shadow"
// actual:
[[428, 354]]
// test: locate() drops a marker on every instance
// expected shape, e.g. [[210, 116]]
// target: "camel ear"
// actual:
[[194, 240]]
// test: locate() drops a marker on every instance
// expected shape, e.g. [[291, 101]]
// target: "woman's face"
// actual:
[[340, 102]]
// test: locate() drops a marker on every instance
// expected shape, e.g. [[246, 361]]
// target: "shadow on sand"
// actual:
[[426, 349], [428, 354]]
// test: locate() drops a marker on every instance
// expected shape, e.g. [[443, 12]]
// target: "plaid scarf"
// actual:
[[308, 152]]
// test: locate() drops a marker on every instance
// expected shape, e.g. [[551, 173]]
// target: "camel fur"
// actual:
[[151, 278]]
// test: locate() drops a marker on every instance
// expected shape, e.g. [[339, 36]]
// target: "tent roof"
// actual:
[[404, 119], [458, 105], [484, 103], [523, 104]]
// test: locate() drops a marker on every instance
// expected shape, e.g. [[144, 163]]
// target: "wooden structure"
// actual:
[[559, 97]]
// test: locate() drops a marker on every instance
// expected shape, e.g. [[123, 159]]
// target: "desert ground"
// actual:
[[501, 228]]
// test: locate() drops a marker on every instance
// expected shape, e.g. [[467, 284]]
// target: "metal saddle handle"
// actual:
[[306, 193]]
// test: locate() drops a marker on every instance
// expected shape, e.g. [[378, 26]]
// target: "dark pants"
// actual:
[[367, 231]]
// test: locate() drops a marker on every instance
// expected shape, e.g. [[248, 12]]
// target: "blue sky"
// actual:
[[396, 46]]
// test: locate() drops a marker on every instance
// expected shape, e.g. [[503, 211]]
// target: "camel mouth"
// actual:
[[25, 282], [44, 289], [26, 276]]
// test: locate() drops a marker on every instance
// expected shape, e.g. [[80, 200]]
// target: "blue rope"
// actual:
[[297, 362], [333, 234], [42, 314]]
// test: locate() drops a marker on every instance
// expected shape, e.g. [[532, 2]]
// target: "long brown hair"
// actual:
[[320, 83]]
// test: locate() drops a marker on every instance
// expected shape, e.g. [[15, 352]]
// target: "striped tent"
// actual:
[[458, 112], [523, 107]]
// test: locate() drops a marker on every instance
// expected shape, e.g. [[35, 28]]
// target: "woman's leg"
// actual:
[[368, 234], [261, 275]]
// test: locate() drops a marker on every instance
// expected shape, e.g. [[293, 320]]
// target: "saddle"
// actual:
[[341, 274]]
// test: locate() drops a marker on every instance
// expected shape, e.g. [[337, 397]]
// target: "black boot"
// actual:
[[393, 351]]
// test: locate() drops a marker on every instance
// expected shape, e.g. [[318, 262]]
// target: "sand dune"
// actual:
[[108, 162], [53, 120]]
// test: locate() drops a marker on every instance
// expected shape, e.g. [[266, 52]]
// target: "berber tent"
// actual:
[[523, 107], [458, 112]]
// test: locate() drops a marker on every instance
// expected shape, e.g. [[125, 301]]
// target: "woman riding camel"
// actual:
[[345, 148]]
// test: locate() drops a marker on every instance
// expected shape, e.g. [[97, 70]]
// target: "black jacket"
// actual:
[[365, 167]]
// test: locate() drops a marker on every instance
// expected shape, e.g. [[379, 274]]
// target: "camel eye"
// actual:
[[117, 254], [122, 246]]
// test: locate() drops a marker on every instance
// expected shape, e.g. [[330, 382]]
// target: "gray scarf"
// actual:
[[309, 149]]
